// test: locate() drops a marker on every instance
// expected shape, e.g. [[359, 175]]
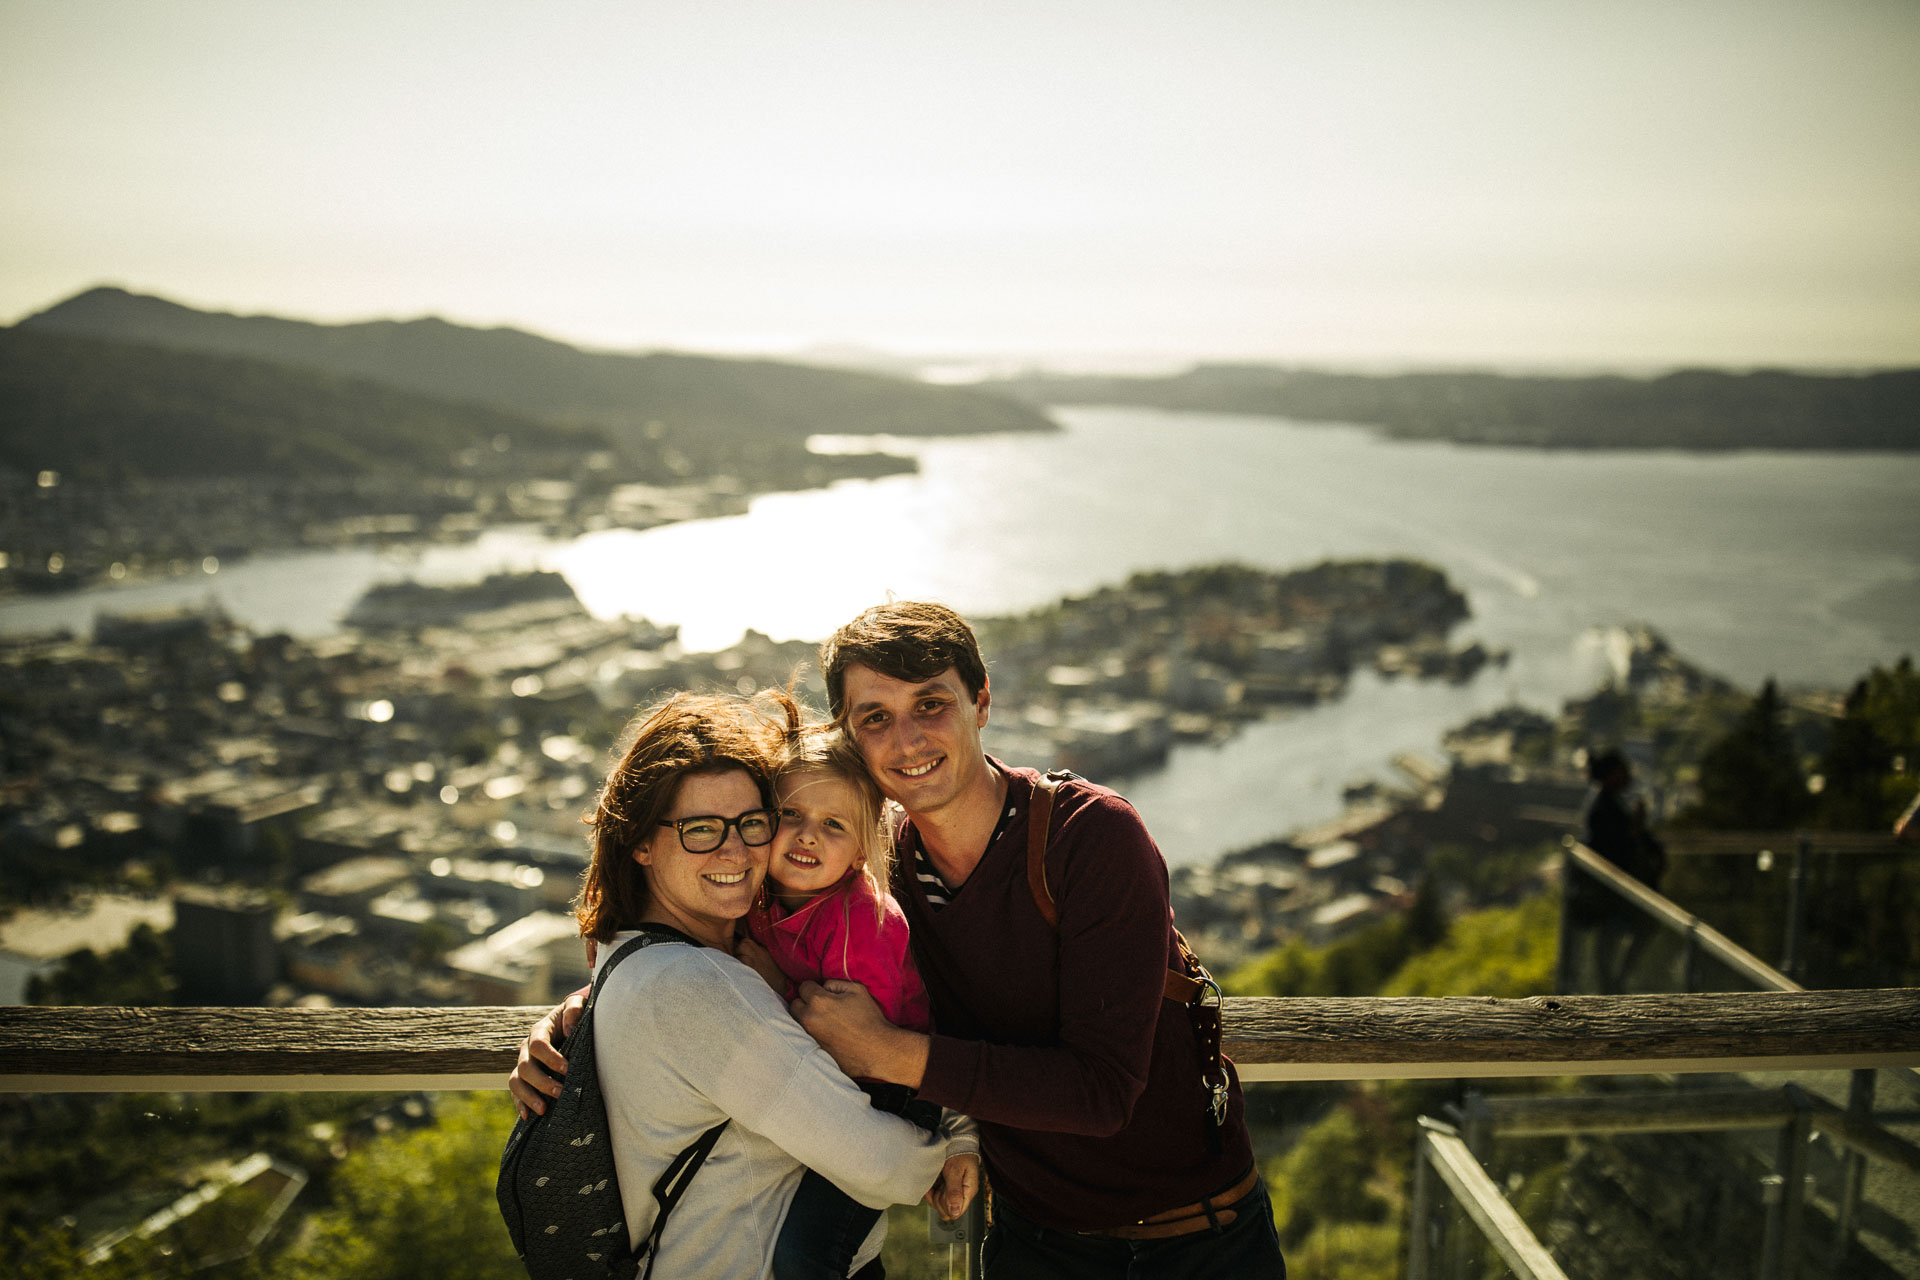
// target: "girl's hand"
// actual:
[[760, 960], [958, 1183]]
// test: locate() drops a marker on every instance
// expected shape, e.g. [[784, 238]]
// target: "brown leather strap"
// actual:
[[1188, 1218], [1180, 986], [1039, 815], [1187, 985], [1181, 989]]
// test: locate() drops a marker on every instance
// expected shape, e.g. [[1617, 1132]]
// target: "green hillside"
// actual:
[[95, 410], [699, 400], [1691, 409]]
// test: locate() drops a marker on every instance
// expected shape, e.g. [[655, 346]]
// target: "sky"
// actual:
[[1563, 184]]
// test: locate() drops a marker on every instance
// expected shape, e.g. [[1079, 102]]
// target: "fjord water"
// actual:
[[1804, 566]]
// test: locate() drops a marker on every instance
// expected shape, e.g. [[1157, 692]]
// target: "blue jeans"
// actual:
[[825, 1225], [1248, 1248], [823, 1228]]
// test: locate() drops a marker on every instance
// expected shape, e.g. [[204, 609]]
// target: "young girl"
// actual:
[[824, 915]]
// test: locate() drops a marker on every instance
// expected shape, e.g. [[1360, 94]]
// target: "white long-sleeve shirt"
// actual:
[[686, 1037]]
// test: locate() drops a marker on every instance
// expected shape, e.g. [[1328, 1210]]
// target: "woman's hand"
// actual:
[[537, 1072], [760, 960], [954, 1190]]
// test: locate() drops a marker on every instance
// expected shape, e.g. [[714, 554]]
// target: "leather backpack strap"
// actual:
[[1181, 985], [1189, 985], [1039, 816]]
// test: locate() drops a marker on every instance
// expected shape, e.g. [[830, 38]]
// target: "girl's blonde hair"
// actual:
[[822, 748]]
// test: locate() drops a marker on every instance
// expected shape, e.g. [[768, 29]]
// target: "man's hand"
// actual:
[[954, 1190], [536, 1074], [843, 1017], [760, 960]]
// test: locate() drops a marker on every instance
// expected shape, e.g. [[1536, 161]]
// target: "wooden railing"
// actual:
[[219, 1050], [222, 1050]]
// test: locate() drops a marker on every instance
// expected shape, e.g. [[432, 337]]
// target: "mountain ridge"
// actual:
[[1702, 409], [95, 409], [698, 400]]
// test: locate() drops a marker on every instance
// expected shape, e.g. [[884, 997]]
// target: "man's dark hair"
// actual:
[[907, 640]]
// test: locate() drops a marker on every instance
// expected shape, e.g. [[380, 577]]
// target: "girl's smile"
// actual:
[[819, 839]]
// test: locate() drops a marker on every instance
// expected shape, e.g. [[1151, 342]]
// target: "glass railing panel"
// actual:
[[1716, 1173], [314, 1186], [142, 1184], [1642, 1176], [1859, 913]]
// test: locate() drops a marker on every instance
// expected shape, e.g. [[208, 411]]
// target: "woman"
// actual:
[[687, 1036]]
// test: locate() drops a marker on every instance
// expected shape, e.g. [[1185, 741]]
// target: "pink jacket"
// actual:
[[840, 934]]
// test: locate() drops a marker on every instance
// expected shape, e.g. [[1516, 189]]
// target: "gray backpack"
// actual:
[[557, 1188]]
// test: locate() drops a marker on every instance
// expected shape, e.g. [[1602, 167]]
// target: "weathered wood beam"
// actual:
[[113, 1049], [221, 1049], [1470, 1036]]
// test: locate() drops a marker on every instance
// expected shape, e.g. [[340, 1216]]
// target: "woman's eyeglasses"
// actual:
[[708, 832]]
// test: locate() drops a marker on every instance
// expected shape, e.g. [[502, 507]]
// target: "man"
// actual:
[[1617, 831], [1104, 1151]]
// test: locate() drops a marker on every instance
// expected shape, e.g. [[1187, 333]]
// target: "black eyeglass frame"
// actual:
[[772, 817]]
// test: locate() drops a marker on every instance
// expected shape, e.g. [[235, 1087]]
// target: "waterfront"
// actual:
[[1802, 566]]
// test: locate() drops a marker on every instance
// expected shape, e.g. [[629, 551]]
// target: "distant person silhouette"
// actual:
[[1617, 831]]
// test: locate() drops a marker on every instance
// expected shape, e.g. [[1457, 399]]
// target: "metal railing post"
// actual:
[[963, 1238], [1796, 910], [1420, 1224], [1690, 959], [1476, 1131], [1854, 1178], [1786, 1193], [1563, 960]]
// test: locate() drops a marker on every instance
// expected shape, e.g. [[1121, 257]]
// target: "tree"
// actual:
[[416, 1206], [1327, 1176], [1869, 762], [1505, 951], [1750, 780], [1355, 965], [140, 973]]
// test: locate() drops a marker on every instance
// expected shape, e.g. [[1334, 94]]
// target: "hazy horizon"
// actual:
[[1135, 185]]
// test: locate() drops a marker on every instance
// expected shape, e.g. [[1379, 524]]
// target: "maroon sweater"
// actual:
[[1085, 1080]]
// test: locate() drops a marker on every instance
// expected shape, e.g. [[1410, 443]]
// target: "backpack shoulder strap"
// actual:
[[1182, 986], [1188, 985], [649, 934], [1039, 817], [672, 1182]]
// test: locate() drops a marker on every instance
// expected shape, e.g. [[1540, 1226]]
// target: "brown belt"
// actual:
[[1188, 1218]]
